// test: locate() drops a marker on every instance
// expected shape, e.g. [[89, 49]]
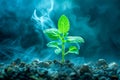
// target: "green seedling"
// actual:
[[60, 37]]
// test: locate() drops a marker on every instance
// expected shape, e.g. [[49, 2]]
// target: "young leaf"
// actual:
[[53, 44], [76, 39], [53, 33], [63, 24], [73, 49], [58, 50]]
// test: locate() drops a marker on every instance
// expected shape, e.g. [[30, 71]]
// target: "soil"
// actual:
[[55, 70]]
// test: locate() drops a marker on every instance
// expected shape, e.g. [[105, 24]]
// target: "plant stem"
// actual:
[[63, 50]]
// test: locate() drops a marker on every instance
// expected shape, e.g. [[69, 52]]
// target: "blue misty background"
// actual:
[[22, 23]]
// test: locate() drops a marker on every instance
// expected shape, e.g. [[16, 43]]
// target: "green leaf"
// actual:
[[58, 50], [73, 49], [63, 24], [52, 33], [53, 44], [75, 39]]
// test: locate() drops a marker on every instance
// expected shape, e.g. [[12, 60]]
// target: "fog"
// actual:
[[22, 23]]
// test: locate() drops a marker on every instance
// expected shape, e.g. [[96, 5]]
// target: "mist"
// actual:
[[22, 23]]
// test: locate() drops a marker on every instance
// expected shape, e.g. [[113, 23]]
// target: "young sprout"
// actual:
[[60, 37]]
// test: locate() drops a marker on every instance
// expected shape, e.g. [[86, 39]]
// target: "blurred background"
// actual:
[[22, 23]]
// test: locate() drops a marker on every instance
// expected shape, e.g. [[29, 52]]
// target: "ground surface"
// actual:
[[54, 70]]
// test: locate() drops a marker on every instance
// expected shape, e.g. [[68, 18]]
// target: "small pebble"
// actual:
[[102, 63]]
